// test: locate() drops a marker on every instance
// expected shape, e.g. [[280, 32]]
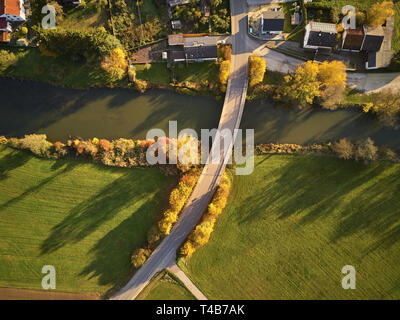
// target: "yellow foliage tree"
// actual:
[[257, 68], [224, 70], [303, 85], [332, 74], [379, 12], [115, 64]]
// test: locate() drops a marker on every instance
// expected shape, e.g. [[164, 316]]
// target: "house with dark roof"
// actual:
[[320, 35], [192, 48], [373, 38], [353, 39], [272, 22]]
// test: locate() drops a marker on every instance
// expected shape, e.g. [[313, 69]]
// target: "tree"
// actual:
[[302, 86], [332, 76], [366, 150], [7, 59], [343, 148], [224, 70], [379, 12], [115, 64], [257, 68]]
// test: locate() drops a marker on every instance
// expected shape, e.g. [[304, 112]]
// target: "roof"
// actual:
[[11, 7], [322, 39], [322, 34], [273, 20], [175, 39], [200, 41], [323, 27], [201, 52], [372, 43], [177, 55], [353, 39]]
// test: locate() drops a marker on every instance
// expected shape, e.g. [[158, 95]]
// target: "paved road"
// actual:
[[165, 254]]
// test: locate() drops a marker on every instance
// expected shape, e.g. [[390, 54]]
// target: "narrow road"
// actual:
[[165, 254], [187, 282]]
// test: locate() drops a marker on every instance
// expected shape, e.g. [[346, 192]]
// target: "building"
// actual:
[[192, 48], [353, 39], [13, 10], [373, 38], [320, 35], [5, 26], [272, 22]]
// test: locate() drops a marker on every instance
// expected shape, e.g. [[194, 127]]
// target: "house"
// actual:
[[320, 35], [373, 38], [13, 10], [192, 48], [272, 22], [353, 39]]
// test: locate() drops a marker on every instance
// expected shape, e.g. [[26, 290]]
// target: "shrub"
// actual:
[[379, 12], [257, 68], [343, 148], [224, 70], [3, 140], [139, 257], [105, 145], [115, 64], [7, 59], [366, 150], [37, 144]]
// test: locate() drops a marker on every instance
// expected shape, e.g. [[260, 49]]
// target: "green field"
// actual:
[[31, 64], [84, 219], [291, 226], [196, 72], [165, 287], [155, 72]]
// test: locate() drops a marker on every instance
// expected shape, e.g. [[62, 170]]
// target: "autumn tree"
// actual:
[[343, 148], [379, 12], [301, 86], [332, 76], [366, 150], [257, 68], [115, 64], [224, 70]]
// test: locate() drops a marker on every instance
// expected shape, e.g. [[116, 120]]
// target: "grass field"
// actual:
[[154, 72], [165, 287], [31, 64], [196, 72], [82, 218], [91, 16], [291, 226]]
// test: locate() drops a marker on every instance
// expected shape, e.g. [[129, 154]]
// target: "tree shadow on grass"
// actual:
[[89, 215], [111, 262], [315, 189], [68, 166], [11, 161]]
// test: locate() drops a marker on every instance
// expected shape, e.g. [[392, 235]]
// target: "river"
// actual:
[[32, 107]]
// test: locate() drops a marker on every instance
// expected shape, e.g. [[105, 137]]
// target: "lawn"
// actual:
[[155, 72], [196, 72], [291, 226], [364, 5], [84, 219], [165, 287], [91, 16], [33, 65]]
